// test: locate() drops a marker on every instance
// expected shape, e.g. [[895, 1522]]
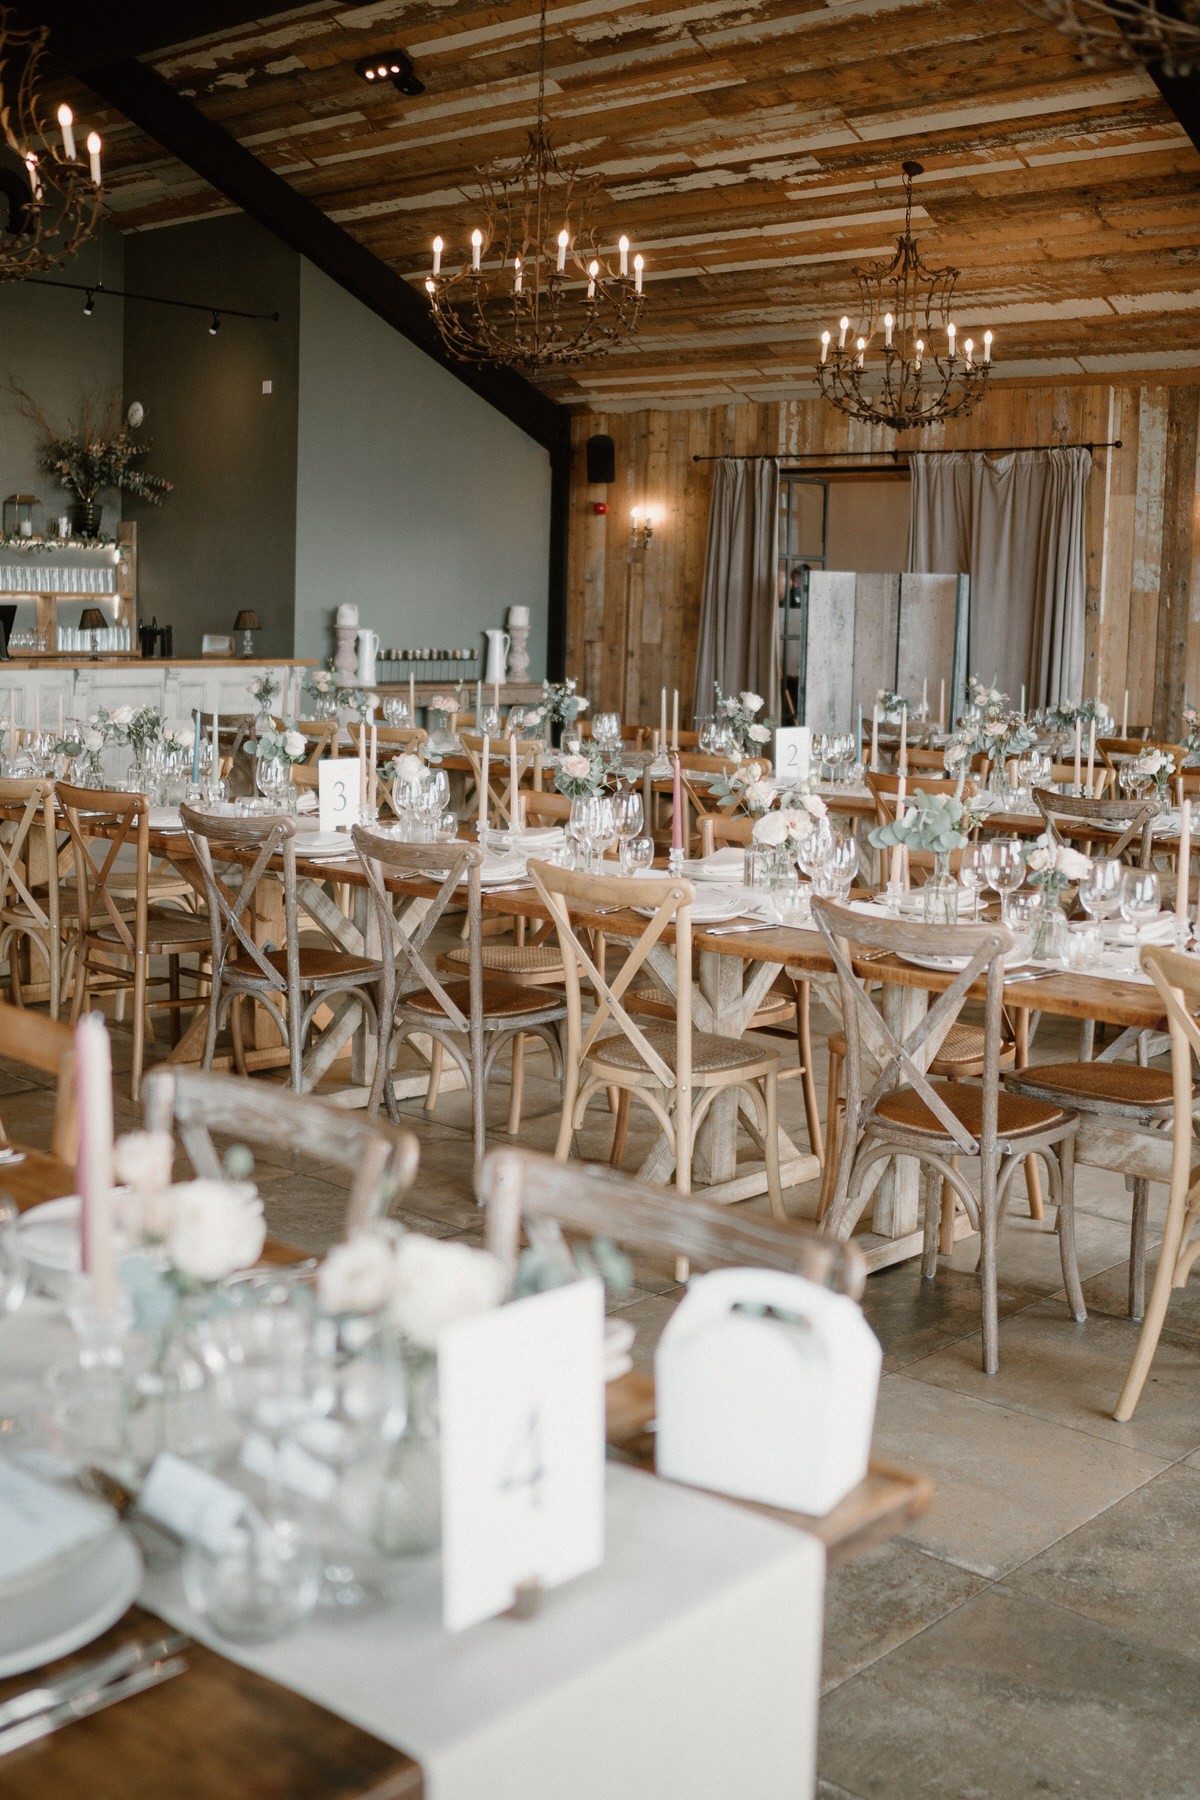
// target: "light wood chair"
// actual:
[[900, 1111], [112, 933], [674, 1071], [530, 752], [48, 1046], [589, 1201], [293, 981], [634, 736], [29, 887], [885, 791], [237, 766], [473, 1020], [1177, 978], [322, 736], [1132, 820], [382, 1157], [1116, 750]]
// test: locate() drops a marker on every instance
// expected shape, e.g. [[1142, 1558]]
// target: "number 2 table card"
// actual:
[[521, 1397], [338, 779], [793, 751]]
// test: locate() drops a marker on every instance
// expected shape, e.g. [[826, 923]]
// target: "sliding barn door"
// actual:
[[867, 632]]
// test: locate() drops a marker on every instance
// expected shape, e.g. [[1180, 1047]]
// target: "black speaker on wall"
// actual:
[[601, 459]]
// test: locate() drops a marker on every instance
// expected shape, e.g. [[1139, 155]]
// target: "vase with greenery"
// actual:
[[96, 452], [939, 824]]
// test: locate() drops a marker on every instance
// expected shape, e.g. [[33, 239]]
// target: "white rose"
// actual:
[[180, 735], [1151, 763], [760, 733], [120, 715], [797, 821], [91, 739], [995, 728], [575, 768], [408, 768], [216, 1227], [437, 1282], [814, 804], [770, 829], [1039, 858], [582, 704], [144, 1159], [294, 743], [753, 702], [759, 795], [1073, 863], [356, 1277]]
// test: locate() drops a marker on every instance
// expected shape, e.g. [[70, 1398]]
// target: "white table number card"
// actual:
[[793, 752], [521, 1398], [338, 781]]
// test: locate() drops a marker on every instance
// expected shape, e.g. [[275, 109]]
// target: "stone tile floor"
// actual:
[[1038, 1633]]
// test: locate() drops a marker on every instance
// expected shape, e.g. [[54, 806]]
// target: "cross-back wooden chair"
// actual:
[[104, 828], [382, 1157], [1132, 820], [471, 1020], [292, 981], [634, 736], [321, 735], [673, 1070], [29, 889], [1116, 750], [528, 958], [530, 752], [589, 1201], [893, 1108], [1177, 978], [237, 766], [885, 791], [48, 1046]]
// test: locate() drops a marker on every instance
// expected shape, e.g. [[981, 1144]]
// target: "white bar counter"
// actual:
[[175, 685]]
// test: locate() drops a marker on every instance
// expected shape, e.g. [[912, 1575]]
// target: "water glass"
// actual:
[[606, 730], [816, 850], [1005, 864], [395, 712], [973, 874], [255, 1581], [636, 853], [1139, 901], [837, 873], [1085, 945], [1100, 889]]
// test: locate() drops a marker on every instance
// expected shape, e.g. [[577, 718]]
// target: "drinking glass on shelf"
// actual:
[[627, 812], [973, 874], [1100, 889], [1140, 900], [1005, 864]]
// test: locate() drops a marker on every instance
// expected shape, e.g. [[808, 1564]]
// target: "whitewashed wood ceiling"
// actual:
[[751, 149]]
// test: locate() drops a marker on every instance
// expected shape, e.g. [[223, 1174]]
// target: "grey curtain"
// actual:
[[739, 601], [1015, 524]]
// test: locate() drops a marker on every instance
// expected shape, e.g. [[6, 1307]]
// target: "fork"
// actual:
[[88, 1677]]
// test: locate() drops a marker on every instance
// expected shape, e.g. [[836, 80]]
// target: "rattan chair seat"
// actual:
[[1098, 1086], [512, 959], [501, 1000], [1017, 1116], [711, 1055], [182, 931], [960, 1053]]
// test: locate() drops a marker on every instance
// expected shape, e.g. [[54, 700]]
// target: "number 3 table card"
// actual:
[[521, 1397], [338, 780]]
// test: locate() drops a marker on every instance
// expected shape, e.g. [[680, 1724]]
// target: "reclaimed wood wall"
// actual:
[[633, 614]]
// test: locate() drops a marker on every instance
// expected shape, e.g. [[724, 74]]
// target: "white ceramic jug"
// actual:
[[499, 645], [765, 1387], [368, 650]]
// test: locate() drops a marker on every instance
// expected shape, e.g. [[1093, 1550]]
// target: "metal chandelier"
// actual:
[[919, 375], [50, 205], [1133, 30], [537, 290]]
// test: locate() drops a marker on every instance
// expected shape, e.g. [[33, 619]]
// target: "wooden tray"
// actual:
[[216, 1732]]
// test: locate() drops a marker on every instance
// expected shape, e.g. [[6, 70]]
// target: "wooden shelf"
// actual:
[[123, 591]]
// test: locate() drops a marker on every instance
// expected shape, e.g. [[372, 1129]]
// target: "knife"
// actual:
[[88, 1676], [94, 1700]]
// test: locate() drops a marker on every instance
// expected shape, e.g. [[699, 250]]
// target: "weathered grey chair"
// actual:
[[293, 981], [382, 1158], [1177, 979], [461, 1017], [1130, 819], [29, 891], [902, 1112]]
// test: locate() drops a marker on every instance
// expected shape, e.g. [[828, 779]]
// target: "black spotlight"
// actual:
[[393, 66], [215, 326], [89, 305]]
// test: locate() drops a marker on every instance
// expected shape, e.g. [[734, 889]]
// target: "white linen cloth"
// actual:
[[685, 1668]]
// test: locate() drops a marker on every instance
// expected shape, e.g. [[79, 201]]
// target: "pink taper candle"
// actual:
[[1183, 865], [93, 1167], [677, 809], [898, 849]]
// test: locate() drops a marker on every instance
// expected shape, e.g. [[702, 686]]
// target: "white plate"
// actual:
[[70, 1608], [325, 843], [49, 1238], [708, 909], [949, 965]]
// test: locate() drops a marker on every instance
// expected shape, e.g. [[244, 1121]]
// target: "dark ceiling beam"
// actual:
[[1182, 95], [82, 38], [151, 103]]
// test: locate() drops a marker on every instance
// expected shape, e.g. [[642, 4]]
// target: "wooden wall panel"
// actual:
[[1143, 573]]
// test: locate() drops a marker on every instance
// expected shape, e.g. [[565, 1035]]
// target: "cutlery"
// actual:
[[87, 1678], [723, 930], [94, 1700], [1033, 974]]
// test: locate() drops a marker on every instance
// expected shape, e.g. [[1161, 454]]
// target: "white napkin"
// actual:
[[325, 844], [165, 818], [508, 867], [723, 864], [306, 801], [1161, 931], [39, 1523]]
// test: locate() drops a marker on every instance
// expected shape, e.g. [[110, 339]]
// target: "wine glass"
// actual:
[[395, 712], [489, 722], [1005, 864], [602, 827], [1100, 889], [1140, 900], [606, 730], [840, 868], [271, 777], [628, 816], [816, 849], [973, 873], [819, 753]]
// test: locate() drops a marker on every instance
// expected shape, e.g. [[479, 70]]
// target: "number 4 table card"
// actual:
[[338, 782], [521, 1398]]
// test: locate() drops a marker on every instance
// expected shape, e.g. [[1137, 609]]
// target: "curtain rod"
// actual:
[[98, 289], [840, 455]]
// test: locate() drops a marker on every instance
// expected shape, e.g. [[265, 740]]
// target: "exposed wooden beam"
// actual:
[[180, 127], [81, 39], [1182, 95]]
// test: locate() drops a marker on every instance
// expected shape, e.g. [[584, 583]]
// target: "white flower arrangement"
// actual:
[[215, 1228], [285, 744], [740, 713], [580, 775], [423, 1284], [1053, 866]]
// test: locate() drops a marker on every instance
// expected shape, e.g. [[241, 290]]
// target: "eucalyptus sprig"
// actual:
[[934, 822]]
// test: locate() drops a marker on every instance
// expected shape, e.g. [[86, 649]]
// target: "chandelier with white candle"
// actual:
[[53, 206], [538, 289], [898, 361]]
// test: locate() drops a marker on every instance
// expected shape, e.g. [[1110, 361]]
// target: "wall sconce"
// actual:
[[641, 528]]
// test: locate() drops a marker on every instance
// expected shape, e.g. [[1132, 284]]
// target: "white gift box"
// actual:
[[766, 1389]]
